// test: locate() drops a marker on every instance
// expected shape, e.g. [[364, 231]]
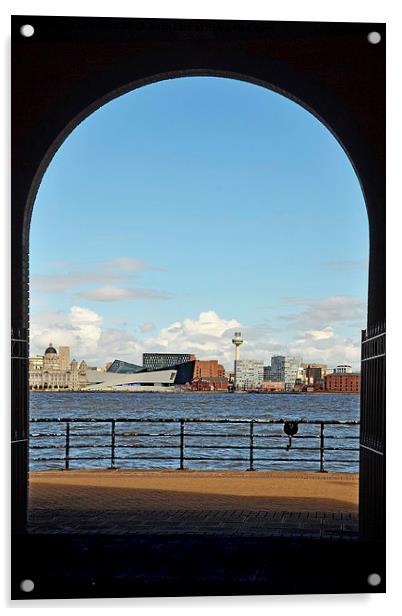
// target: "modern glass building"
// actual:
[[183, 373], [157, 361], [285, 368], [123, 367]]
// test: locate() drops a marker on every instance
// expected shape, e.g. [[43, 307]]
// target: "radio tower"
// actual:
[[237, 341]]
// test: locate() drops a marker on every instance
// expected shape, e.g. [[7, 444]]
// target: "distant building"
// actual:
[[210, 384], [273, 385], [36, 362], [208, 368], [146, 380], [314, 373], [123, 367], [267, 373], [51, 371], [285, 368], [158, 361], [342, 382], [122, 375], [343, 369], [64, 357], [249, 373], [230, 377]]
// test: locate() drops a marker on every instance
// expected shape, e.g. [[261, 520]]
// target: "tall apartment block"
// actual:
[[285, 368], [249, 373]]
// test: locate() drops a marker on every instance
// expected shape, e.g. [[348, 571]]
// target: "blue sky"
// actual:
[[189, 208]]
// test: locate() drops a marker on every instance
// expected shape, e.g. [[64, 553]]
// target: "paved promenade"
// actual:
[[260, 503]]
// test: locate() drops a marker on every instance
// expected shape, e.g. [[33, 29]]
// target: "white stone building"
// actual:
[[52, 371], [343, 369]]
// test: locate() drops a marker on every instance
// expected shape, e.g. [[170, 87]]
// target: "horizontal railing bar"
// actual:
[[191, 435], [189, 420], [270, 460], [194, 447]]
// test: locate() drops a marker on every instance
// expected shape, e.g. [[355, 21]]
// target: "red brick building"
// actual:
[[208, 368], [343, 383], [218, 383]]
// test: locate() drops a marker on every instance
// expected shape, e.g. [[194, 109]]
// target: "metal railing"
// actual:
[[253, 437]]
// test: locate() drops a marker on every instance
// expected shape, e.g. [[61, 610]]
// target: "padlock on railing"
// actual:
[[290, 428]]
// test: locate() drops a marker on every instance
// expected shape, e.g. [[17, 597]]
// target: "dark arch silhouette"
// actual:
[[72, 66]]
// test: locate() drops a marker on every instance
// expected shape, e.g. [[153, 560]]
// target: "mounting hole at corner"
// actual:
[[27, 585], [374, 38], [27, 30], [374, 579]]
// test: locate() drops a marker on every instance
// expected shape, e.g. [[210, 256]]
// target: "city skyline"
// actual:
[[170, 218]]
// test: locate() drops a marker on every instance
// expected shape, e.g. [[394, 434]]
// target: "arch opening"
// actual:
[[222, 318]]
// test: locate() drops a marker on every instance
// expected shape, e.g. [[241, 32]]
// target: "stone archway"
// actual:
[[327, 68]]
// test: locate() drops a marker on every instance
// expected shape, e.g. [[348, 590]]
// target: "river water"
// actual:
[[143, 445]]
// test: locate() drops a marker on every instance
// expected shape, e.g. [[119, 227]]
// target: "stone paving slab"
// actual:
[[199, 503], [187, 522]]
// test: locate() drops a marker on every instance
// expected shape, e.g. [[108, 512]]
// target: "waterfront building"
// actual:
[[230, 377], [315, 373], [272, 385], [249, 373], [123, 367], [157, 361], [146, 380], [343, 369], [267, 373], [216, 383], [184, 372], [342, 382], [50, 371], [36, 362], [285, 368], [208, 368], [64, 357]]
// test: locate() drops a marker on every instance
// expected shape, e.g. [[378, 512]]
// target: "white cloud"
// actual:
[[73, 276], [125, 264], [208, 336], [321, 314], [331, 351], [320, 334], [80, 329], [113, 294], [63, 281], [149, 326]]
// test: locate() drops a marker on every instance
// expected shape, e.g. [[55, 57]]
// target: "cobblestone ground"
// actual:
[[318, 524], [261, 504]]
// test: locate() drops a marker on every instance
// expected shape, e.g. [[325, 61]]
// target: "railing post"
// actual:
[[181, 445], [113, 444], [251, 443], [67, 460], [322, 437]]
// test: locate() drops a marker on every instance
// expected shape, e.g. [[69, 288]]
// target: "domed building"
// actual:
[[51, 358], [54, 371]]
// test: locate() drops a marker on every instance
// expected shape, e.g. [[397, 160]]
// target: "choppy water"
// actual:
[[148, 440]]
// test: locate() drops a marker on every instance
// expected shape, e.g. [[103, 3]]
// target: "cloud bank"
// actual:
[[105, 281], [316, 332]]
